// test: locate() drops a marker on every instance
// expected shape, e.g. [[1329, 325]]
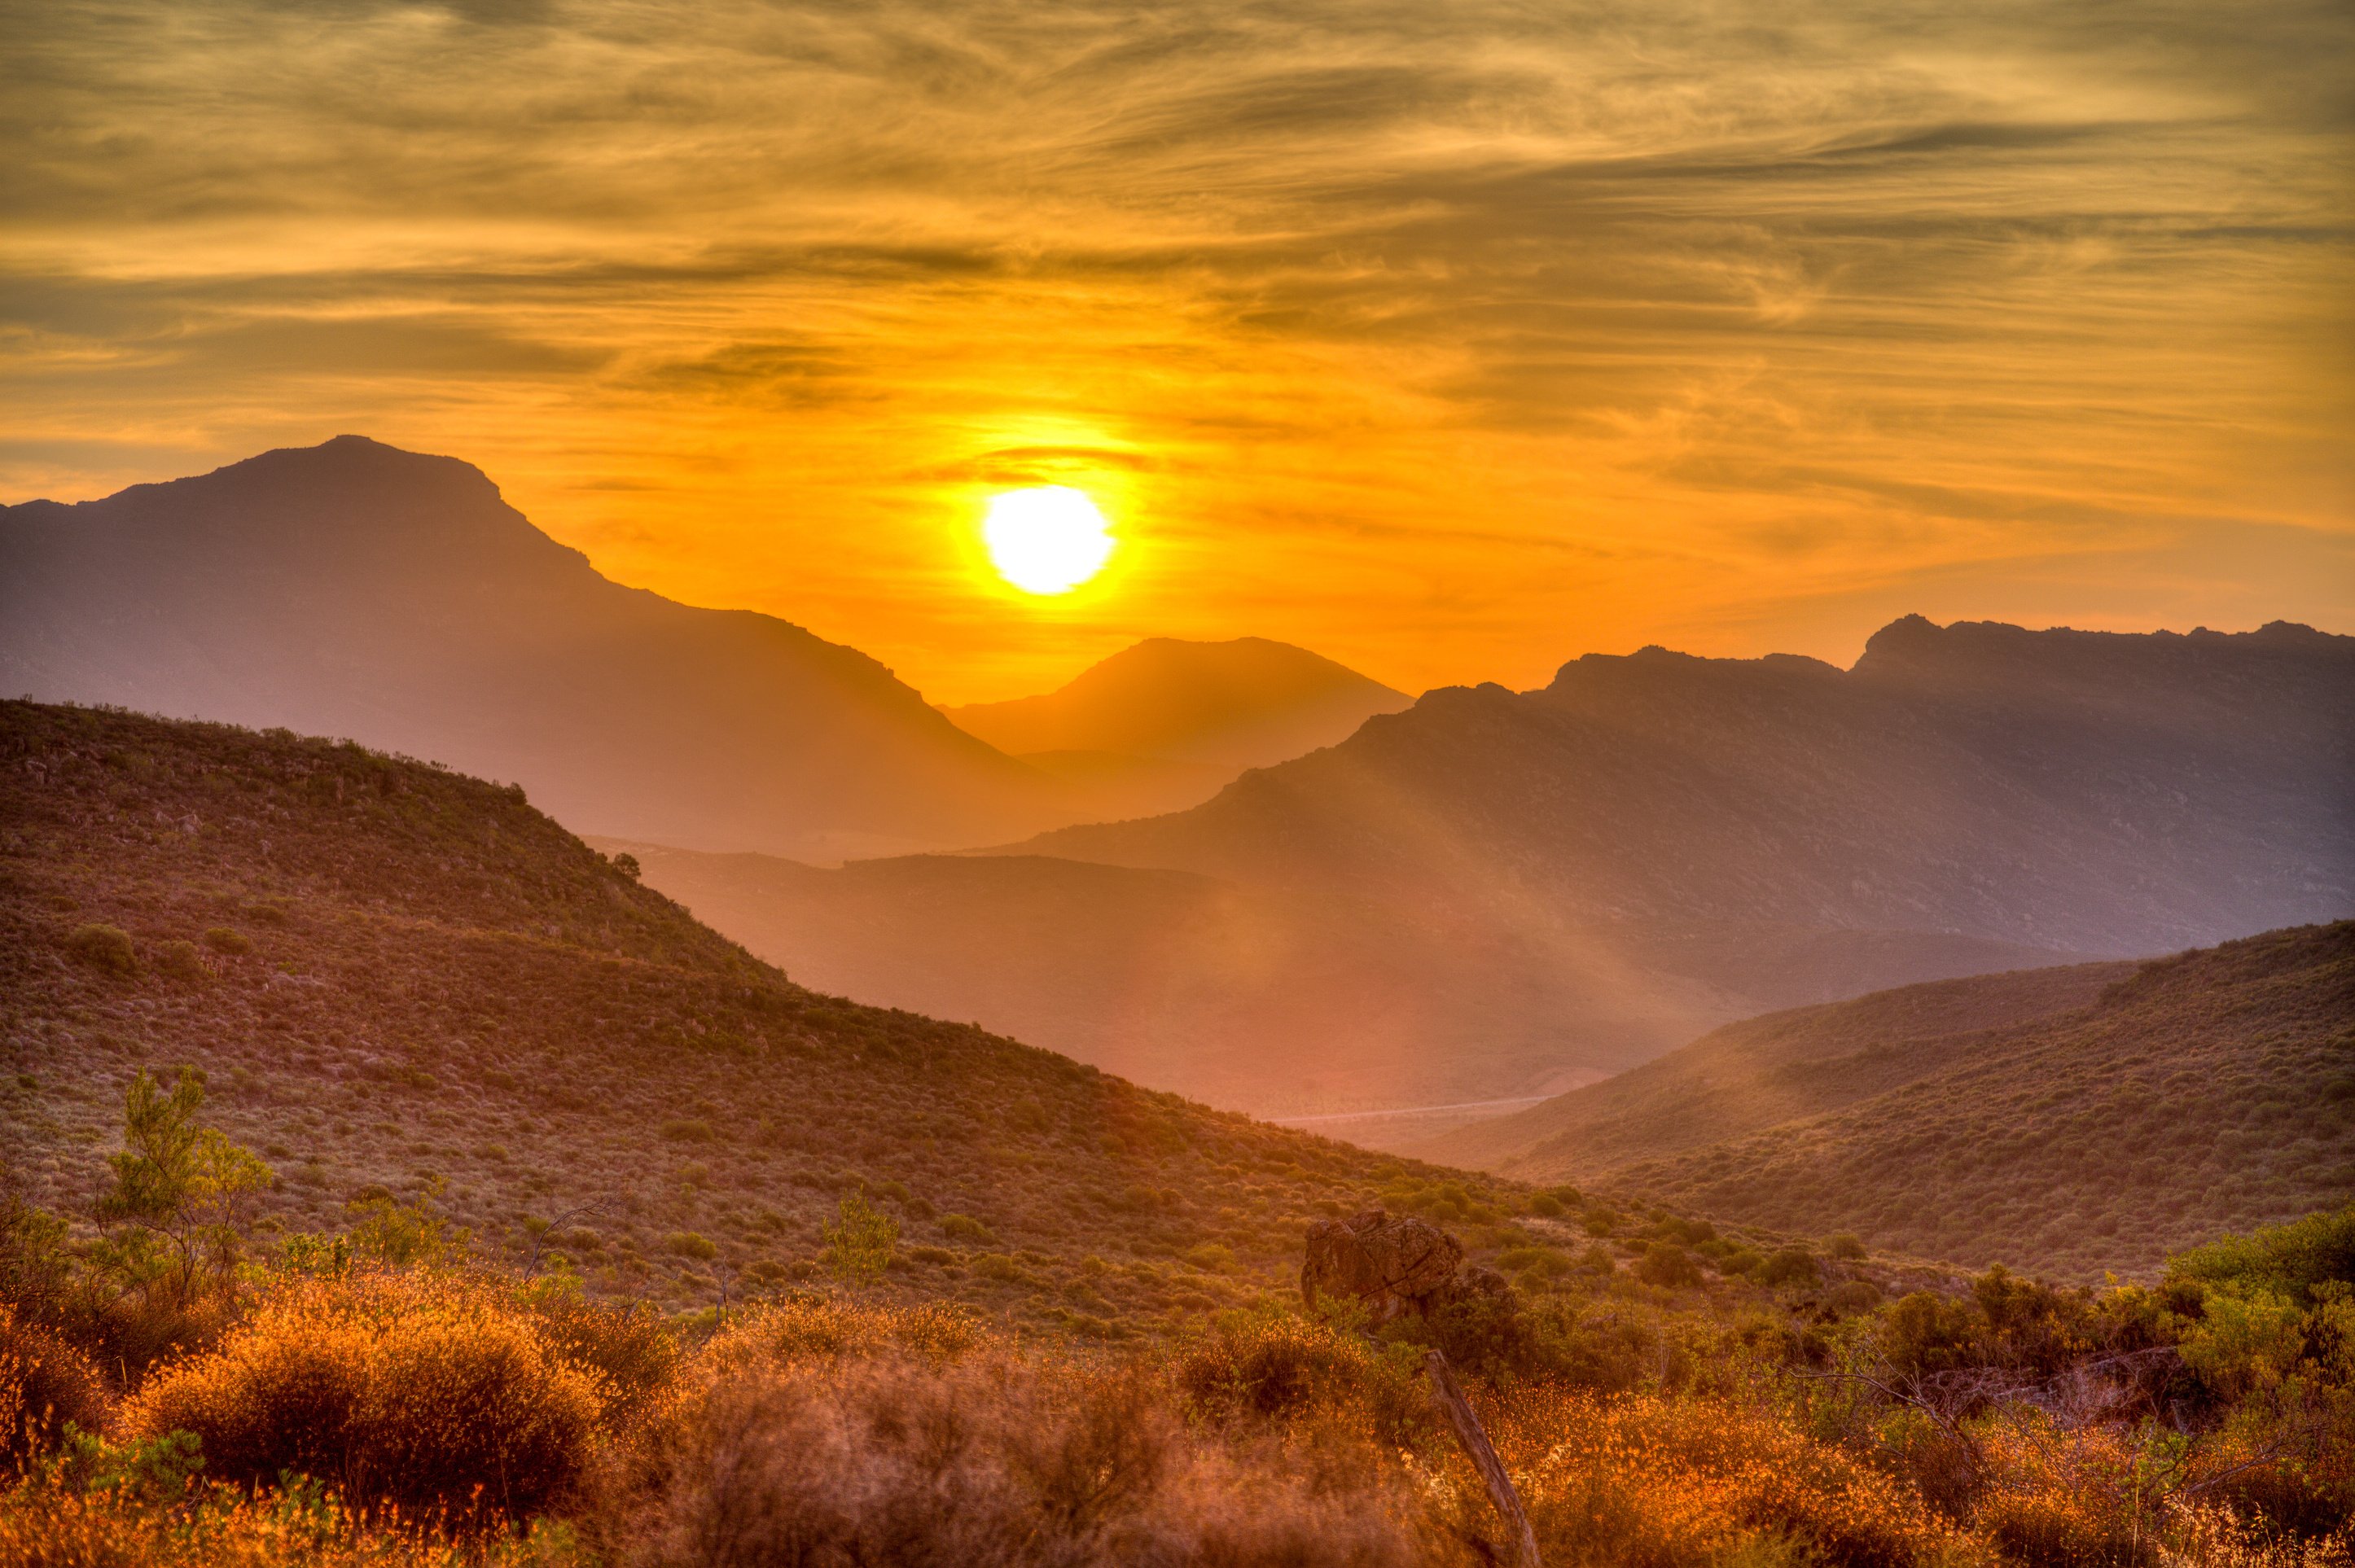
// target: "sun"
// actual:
[[1048, 539]]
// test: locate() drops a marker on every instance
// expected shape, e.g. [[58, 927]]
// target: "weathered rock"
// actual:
[[1389, 1262]]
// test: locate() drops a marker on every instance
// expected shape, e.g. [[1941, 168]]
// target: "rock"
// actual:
[[1389, 1262]]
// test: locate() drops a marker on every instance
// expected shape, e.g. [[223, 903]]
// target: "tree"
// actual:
[[182, 1192], [858, 1244]]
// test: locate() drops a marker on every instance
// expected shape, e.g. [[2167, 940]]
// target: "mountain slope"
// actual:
[[402, 980], [2199, 1093], [1246, 703], [351, 588], [2069, 790], [1274, 999], [1773, 1069]]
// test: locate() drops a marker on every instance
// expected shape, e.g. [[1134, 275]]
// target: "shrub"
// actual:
[[688, 1131], [1649, 1480], [784, 1333], [1665, 1263], [965, 1227], [995, 1462], [418, 1392], [687, 1243], [1847, 1246], [181, 960], [221, 939], [630, 1351], [1788, 1266], [859, 1242], [45, 1383], [106, 948], [1265, 1365]]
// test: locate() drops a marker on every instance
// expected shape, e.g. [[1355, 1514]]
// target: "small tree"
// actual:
[[182, 1192], [858, 1244]]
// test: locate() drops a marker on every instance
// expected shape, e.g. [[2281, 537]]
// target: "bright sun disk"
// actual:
[[1046, 540]]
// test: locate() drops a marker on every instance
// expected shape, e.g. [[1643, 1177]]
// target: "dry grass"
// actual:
[[45, 1383]]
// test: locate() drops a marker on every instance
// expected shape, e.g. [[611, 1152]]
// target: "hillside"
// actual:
[[354, 590], [2183, 1098], [1773, 1069], [400, 981], [1245, 703], [2094, 793], [1277, 1000]]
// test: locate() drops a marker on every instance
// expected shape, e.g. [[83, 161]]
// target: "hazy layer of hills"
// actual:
[[400, 980], [1274, 1000], [2081, 791], [1493, 894], [2071, 1120], [354, 590], [1170, 720]]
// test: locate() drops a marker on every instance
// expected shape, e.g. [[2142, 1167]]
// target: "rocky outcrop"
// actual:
[[1392, 1262]]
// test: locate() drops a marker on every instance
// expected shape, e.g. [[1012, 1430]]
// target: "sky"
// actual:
[[1452, 341]]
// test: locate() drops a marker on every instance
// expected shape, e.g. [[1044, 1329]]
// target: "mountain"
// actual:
[[2073, 1120], [1493, 896], [2074, 791], [355, 590], [1246, 703], [405, 984], [1281, 1001]]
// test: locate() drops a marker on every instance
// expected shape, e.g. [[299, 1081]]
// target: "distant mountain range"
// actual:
[[1171, 720], [2069, 1119], [2075, 791], [1494, 894]]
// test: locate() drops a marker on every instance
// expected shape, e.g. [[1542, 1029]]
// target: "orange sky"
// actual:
[[1451, 341]]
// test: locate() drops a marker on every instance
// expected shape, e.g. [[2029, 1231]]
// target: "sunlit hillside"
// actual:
[[2077, 1121]]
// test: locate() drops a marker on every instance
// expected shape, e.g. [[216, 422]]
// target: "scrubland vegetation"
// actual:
[[393, 1181]]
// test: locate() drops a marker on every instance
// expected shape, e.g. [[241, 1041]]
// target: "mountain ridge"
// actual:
[[355, 588]]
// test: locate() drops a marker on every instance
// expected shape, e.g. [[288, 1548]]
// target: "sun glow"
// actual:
[[1046, 540]]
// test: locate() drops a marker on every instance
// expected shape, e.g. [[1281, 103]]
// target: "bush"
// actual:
[[221, 939], [996, 1462], [1648, 1480], [1788, 1266], [1666, 1263], [106, 948], [965, 1227], [45, 1383], [629, 1352], [688, 1131], [687, 1243], [431, 1396], [181, 960]]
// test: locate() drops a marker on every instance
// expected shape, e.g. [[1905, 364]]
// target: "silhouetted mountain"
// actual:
[[1278, 1000], [2075, 1119], [355, 590], [2109, 794], [1230, 705]]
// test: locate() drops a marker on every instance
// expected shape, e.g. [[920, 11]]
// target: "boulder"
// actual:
[[1391, 1262]]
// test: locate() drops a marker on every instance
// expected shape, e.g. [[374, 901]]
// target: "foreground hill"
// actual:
[[1182, 717], [406, 982], [355, 590], [2089, 792], [1277, 1000], [2074, 1120]]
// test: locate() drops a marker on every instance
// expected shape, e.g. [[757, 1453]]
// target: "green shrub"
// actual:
[[1788, 1266], [105, 947], [1665, 1263], [1847, 1246], [965, 1227], [859, 1242], [181, 960], [221, 939], [687, 1243], [682, 1130]]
